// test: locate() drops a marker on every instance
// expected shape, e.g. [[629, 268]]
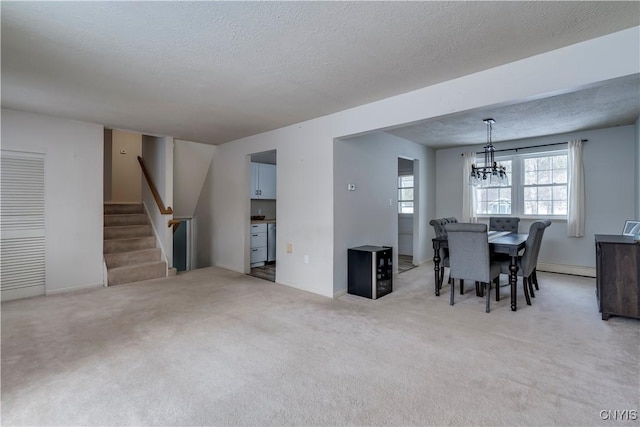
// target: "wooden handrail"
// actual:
[[154, 191], [175, 223]]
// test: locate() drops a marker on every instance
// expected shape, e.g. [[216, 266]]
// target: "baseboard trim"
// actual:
[[73, 288], [575, 270]]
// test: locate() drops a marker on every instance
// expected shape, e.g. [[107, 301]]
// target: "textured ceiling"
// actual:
[[608, 104], [216, 71]]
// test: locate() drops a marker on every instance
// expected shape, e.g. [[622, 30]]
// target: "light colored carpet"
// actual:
[[213, 347]]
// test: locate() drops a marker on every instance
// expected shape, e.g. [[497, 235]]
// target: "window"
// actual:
[[405, 194], [496, 199], [537, 186], [545, 185]]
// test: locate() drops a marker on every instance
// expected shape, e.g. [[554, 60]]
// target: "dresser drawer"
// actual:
[[258, 228], [258, 240], [258, 254]]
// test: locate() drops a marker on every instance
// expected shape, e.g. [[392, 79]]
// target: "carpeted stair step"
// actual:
[[121, 259], [128, 245], [123, 208], [137, 273], [125, 219], [127, 231]]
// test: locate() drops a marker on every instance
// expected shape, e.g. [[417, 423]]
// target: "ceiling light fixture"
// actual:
[[490, 173]]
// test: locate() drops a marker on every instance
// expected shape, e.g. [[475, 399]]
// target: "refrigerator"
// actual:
[[271, 242]]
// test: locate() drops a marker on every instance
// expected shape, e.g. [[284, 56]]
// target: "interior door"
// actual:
[[22, 224]]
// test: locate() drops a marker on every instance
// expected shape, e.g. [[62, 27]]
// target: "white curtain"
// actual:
[[575, 208], [468, 191]]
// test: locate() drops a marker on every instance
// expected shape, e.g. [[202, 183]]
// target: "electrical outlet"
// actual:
[[289, 248]]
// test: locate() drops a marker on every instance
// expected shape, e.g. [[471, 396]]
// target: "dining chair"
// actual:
[[534, 276], [528, 260], [504, 223], [438, 226], [469, 258]]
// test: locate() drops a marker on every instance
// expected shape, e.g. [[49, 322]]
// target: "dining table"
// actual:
[[501, 242]]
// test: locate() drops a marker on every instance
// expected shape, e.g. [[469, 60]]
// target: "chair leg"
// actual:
[[453, 291], [461, 287], [497, 282], [480, 288], [533, 295], [535, 279], [488, 296], [525, 287]]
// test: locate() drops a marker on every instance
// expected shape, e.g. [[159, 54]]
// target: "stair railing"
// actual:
[[163, 210], [175, 223]]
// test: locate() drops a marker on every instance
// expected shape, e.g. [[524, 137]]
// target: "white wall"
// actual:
[[191, 162], [369, 215], [126, 175], [609, 164], [73, 186], [158, 157], [305, 151]]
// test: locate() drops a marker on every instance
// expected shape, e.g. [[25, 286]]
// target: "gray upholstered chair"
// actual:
[[469, 257], [534, 276], [528, 260], [438, 226], [504, 223]]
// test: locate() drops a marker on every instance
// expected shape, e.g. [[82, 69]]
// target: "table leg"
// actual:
[[513, 281], [436, 268]]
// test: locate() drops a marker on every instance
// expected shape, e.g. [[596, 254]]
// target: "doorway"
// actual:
[[263, 209], [182, 244], [406, 211]]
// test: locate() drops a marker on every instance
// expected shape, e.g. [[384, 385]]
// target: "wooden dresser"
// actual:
[[617, 274]]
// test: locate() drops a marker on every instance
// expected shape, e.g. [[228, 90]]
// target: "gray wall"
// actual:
[[202, 229], [106, 185], [610, 173], [365, 216]]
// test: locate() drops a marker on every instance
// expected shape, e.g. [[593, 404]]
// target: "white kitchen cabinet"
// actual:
[[258, 244], [263, 181]]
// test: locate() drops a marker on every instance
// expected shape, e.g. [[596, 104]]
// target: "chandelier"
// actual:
[[490, 173]]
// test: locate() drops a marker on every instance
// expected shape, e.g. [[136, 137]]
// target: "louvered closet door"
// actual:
[[22, 241]]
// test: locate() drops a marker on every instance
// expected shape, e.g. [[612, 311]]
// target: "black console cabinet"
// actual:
[[617, 275], [370, 271]]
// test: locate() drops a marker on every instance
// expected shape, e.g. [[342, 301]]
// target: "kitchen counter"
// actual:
[[263, 221]]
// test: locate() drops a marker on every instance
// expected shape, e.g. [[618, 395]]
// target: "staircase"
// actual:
[[129, 245]]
